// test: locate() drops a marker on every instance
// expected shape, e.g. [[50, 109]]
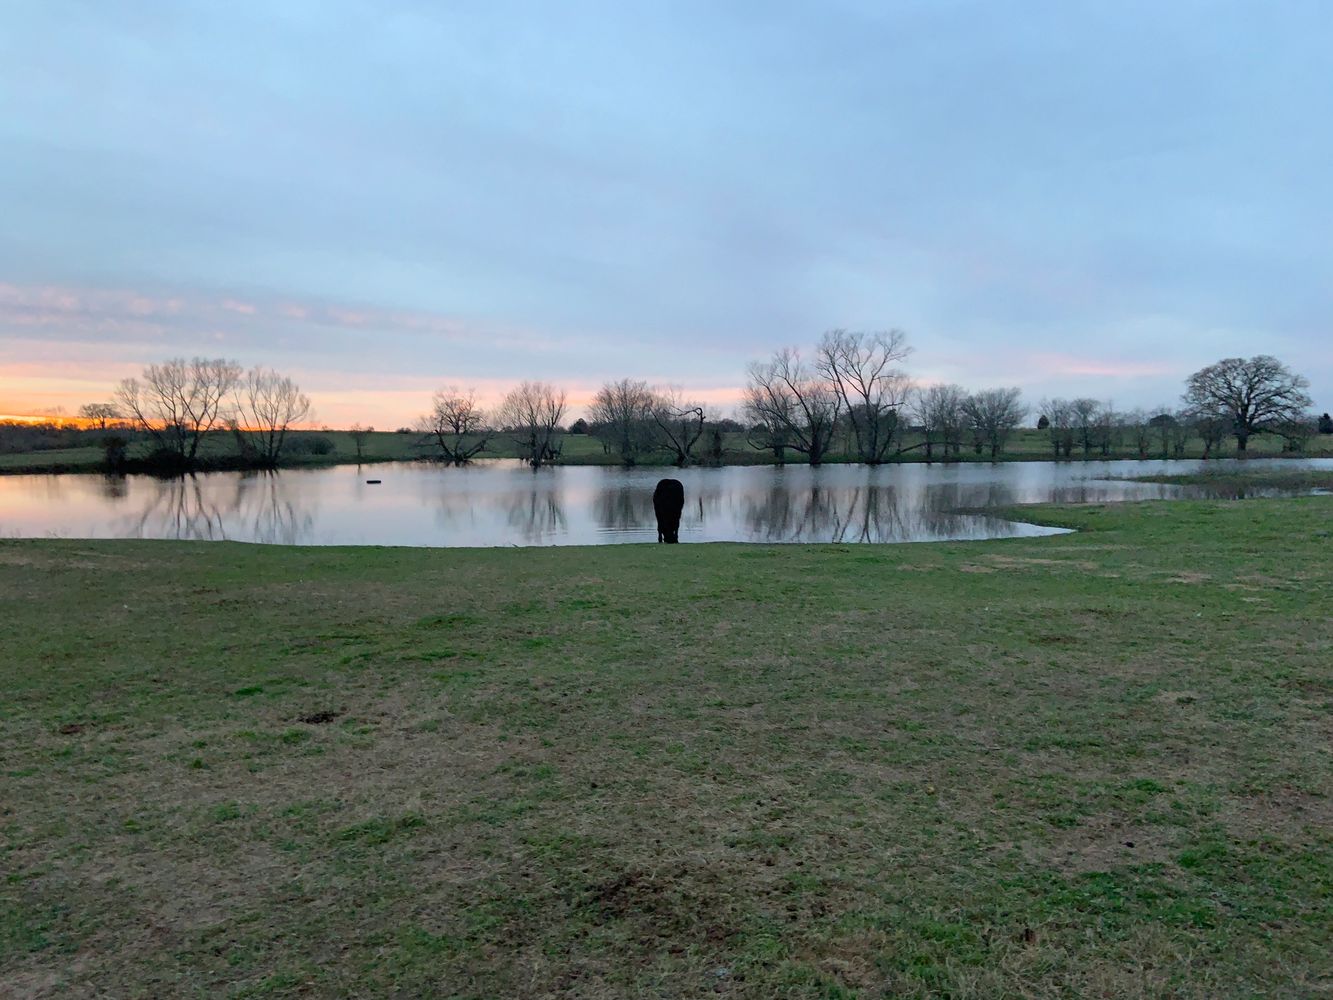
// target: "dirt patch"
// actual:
[[320, 718], [974, 568], [1016, 562], [1188, 576], [1176, 697], [1285, 812], [1104, 844]]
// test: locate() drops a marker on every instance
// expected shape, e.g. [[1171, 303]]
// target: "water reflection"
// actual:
[[252, 507], [502, 504], [114, 487], [536, 515], [623, 508]]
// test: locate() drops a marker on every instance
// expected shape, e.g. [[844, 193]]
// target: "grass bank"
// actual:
[[307, 449], [1093, 764], [1239, 480]]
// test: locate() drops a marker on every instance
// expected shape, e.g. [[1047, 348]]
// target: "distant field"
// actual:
[[53, 459], [1262, 479], [1096, 764], [575, 449]]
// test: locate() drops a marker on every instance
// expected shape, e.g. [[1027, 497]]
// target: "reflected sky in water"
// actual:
[[506, 504]]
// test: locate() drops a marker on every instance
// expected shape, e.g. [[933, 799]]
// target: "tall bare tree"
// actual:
[[456, 425], [531, 412], [993, 414], [768, 418], [1061, 418], [1163, 421], [1083, 420], [179, 401], [268, 404], [622, 414], [100, 414], [787, 394], [1138, 426], [1106, 428], [939, 410], [1256, 396], [860, 367], [679, 424]]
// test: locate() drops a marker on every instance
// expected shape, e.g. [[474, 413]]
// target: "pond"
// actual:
[[504, 503]]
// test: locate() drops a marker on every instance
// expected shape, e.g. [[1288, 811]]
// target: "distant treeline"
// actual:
[[851, 399]]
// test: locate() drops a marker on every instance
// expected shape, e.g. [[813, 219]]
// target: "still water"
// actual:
[[504, 503]]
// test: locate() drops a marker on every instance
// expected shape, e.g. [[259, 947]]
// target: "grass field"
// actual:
[[576, 449], [1088, 765], [1249, 479]]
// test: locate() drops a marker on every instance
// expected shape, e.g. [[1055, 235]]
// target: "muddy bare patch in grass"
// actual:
[[1105, 843], [321, 718]]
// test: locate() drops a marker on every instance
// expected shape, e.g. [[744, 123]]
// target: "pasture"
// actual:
[[1088, 765], [307, 448]]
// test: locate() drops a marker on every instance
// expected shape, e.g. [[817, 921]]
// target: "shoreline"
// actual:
[[235, 465]]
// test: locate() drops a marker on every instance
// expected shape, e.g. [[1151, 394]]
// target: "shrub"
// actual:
[[310, 444]]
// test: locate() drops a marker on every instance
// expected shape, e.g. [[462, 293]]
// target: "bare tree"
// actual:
[[1181, 431], [1255, 395], [785, 394], [1138, 427], [939, 410], [1083, 419], [860, 369], [993, 414], [1106, 428], [100, 414], [531, 414], [179, 401], [1211, 427], [679, 424], [359, 436], [1163, 422], [1295, 431], [268, 405], [456, 425], [622, 414], [769, 416], [1060, 418]]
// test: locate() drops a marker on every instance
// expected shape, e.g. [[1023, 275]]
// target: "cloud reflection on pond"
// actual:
[[502, 504]]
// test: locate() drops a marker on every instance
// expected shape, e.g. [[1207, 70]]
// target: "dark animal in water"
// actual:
[[668, 502]]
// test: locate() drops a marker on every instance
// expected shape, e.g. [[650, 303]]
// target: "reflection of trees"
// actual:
[[179, 509], [624, 508], [270, 510], [113, 487], [260, 509], [875, 512], [825, 514], [535, 513], [628, 505]]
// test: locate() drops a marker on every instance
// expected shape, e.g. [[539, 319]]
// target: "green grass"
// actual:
[[52, 460], [1241, 480], [1087, 765]]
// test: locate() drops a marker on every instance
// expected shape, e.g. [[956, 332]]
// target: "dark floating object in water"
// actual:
[[373, 482]]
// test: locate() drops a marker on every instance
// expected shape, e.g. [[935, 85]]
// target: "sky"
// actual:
[[384, 198]]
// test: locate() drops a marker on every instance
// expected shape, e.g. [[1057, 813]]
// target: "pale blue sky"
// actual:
[[1078, 198]]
